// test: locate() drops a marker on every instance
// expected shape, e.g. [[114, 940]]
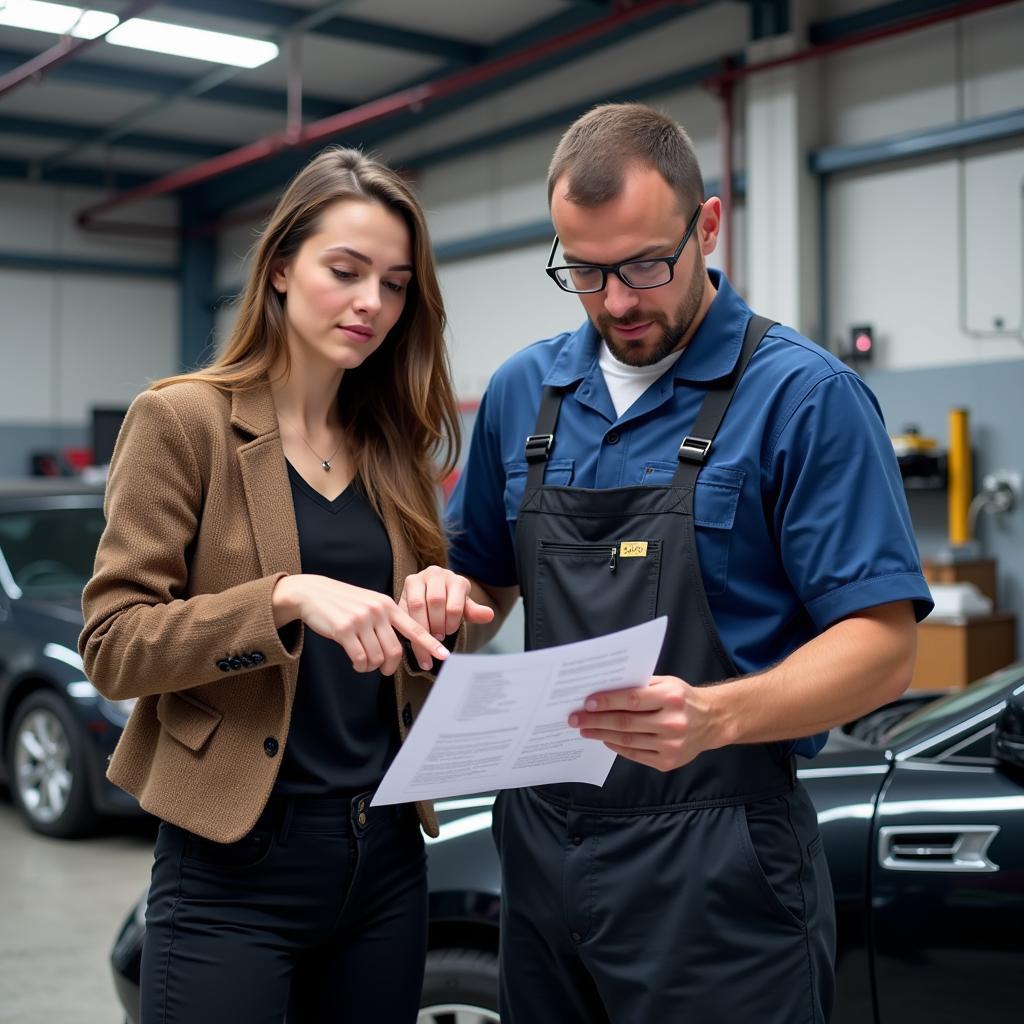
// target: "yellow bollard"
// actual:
[[961, 477]]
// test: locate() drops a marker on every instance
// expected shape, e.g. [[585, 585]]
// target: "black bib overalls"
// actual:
[[695, 895]]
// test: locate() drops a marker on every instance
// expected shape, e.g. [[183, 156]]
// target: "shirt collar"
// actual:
[[711, 354]]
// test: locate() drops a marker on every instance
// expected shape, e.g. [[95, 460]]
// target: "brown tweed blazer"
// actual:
[[200, 527]]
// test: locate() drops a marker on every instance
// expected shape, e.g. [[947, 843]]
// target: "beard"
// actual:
[[672, 332]]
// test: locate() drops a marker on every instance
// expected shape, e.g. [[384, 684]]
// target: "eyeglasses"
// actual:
[[586, 278]]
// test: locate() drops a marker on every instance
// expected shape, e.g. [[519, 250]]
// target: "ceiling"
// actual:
[[119, 117]]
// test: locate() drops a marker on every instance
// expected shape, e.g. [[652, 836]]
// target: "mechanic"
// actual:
[[677, 455]]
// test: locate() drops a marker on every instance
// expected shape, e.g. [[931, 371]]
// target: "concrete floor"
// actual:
[[61, 904]]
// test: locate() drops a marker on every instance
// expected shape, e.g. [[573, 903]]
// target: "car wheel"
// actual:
[[460, 987], [46, 768]]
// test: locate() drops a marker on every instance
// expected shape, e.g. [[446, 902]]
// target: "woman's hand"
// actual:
[[364, 622], [438, 599]]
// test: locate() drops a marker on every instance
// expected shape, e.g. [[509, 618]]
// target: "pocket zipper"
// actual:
[[584, 549]]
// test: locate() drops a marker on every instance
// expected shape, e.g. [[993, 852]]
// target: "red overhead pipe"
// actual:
[[64, 50], [414, 98], [859, 39]]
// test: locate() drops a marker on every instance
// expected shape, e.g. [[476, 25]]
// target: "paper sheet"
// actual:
[[498, 721]]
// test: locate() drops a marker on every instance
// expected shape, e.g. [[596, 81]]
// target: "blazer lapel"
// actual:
[[265, 481]]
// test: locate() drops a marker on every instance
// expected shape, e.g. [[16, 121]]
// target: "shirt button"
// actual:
[[270, 746], [612, 438]]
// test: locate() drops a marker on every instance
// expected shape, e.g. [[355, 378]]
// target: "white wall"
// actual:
[[71, 340], [893, 244], [893, 237], [896, 249]]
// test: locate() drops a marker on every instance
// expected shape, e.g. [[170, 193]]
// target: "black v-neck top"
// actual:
[[343, 731]]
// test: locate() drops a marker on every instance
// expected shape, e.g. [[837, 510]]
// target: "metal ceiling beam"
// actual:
[[136, 80], [85, 265], [86, 176], [565, 115], [37, 128], [875, 17], [238, 187], [394, 37], [911, 145]]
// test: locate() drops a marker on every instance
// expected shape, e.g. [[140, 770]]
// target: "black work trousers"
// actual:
[[318, 914]]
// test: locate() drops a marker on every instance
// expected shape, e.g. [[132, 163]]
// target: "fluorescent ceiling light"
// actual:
[[56, 18], [139, 33], [198, 43]]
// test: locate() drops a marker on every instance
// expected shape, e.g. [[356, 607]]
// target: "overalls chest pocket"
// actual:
[[586, 589], [714, 515], [559, 473]]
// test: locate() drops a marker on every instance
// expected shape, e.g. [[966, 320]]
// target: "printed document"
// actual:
[[498, 721]]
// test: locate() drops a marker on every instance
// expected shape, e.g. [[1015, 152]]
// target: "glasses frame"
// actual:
[[616, 268]]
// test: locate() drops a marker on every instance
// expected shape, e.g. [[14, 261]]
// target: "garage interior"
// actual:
[[870, 159]]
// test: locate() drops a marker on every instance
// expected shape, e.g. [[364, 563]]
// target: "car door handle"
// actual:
[[936, 847]]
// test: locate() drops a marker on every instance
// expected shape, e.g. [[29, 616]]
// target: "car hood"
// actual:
[[55, 620]]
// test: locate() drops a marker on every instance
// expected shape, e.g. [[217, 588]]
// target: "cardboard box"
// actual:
[[979, 571], [955, 652]]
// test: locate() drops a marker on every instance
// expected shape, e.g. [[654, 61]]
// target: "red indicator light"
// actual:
[[863, 343]]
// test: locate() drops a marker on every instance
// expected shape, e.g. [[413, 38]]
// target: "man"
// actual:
[[677, 456]]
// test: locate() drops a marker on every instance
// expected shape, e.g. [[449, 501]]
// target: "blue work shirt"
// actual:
[[800, 514]]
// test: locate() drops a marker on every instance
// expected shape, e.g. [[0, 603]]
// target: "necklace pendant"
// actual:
[[327, 465]]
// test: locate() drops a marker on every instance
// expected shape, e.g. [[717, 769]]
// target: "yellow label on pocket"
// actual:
[[633, 549]]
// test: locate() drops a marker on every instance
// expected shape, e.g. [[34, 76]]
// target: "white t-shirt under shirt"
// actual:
[[627, 383]]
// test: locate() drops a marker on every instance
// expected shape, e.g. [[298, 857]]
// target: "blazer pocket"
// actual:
[[188, 720]]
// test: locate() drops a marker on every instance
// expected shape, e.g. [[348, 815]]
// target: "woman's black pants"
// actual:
[[318, 914]]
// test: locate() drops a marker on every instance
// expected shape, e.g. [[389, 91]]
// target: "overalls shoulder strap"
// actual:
[[697, 445], [539, 443]]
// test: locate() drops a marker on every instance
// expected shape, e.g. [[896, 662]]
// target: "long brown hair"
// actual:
[[398, 409]]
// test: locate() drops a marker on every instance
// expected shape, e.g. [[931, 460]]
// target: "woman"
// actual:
[[291, 484]]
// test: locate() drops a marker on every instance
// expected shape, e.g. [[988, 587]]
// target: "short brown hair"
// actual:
[[599, 147]]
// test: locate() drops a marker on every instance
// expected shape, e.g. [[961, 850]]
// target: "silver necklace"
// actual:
[[325, 463]]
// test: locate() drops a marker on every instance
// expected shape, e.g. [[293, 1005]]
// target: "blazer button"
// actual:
[[246, 661], [257, 657], [235, 663], [270, 746], [224, 665], [407, 716]]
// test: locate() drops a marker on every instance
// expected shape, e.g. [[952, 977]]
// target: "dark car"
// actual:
[[921, 810], [56, 731]]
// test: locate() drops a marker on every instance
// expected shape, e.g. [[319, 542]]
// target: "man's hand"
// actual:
[[438, 599], [663, 725]]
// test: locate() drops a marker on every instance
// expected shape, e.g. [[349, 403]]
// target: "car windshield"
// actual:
[[43, 551], [957, 707]]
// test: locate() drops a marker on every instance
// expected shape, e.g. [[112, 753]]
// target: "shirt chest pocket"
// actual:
[[559, 473], [714, 516]]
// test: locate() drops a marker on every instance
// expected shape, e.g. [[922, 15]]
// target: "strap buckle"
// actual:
[[538, 447], [695, 449]]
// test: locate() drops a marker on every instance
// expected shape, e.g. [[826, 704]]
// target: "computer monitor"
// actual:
[[106, 425]]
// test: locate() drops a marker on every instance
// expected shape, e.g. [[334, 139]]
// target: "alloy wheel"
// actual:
[[42, 766]]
